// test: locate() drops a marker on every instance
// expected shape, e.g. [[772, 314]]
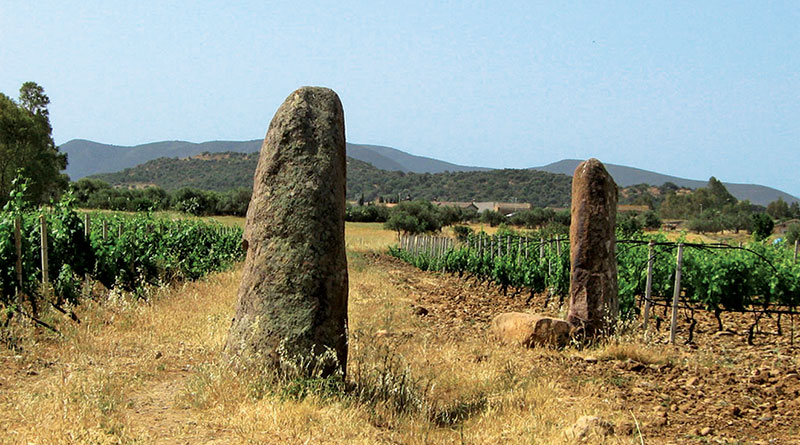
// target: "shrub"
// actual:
[[414, 217], [463, 232], [762, 226]]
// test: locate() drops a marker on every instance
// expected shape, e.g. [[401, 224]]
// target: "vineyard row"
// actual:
[[712, 277], [52, 257]]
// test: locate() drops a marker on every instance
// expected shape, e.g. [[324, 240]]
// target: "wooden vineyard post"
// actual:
[[18, 247], [541, 247], [527, 246], [558, 246], [795, 251], [648, 288], [45, 272], [519, 249], [105, 230], [87, 230], [676, 295], [119, 230], [445, 246]]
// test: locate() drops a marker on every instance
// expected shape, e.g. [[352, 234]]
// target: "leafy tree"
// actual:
[[234, 202], [26, 146], [463, 232], [414, 217], [194, 201], [779, 209], [708, 221], [452, 215], [492, 218], [794, 210], [762, 226], [650, 220], [628, 224], [368, 213], [792, 233]]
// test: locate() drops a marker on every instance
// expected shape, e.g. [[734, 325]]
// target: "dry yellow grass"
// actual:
[[151, 372]]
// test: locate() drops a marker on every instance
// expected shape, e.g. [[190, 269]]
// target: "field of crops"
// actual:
[[124, 251], [714, 277]]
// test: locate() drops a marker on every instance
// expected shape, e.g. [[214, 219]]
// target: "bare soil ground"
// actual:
[[716, 389]]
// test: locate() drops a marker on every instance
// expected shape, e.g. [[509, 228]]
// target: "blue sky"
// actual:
[[691, 89]]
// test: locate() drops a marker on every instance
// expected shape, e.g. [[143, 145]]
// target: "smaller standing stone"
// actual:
[[593, 299]]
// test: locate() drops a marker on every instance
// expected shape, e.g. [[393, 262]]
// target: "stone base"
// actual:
[[531, 330]]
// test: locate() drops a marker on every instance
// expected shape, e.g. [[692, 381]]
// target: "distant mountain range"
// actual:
[[89, 158], [628, 176]]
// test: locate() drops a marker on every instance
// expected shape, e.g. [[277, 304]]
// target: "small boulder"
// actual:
[[419, 311], [589, 426], [530, 330]]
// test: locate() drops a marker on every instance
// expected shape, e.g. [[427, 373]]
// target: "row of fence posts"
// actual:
[[438, 246], [45, 267]]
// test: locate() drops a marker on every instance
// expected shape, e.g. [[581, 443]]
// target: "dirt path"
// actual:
[[154, 411]]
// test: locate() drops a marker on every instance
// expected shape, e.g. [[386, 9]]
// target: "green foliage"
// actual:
[[762, 226], [533, 218], [463, 232], [715, 279], [367, 213], [792, 233], [26, 145], [650, 220], [217, 172], [492, 218], [628, 224], [414, 217], [779, 209], [96, 194], [137, 250], [686, 205]]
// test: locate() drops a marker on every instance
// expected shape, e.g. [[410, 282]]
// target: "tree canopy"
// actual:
[[27, 147]]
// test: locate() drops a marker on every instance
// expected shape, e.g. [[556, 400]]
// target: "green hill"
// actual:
[[224, 171], [207, 171]]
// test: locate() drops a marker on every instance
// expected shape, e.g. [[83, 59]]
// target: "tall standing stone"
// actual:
[[293, 294], [593, 299]]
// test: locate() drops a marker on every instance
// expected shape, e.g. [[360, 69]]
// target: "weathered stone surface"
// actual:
[[293, 293], [593, 275], [589, 427], [531, 330]]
